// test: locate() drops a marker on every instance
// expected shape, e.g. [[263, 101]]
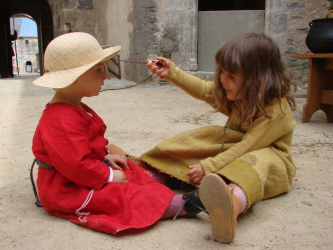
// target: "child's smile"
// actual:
[[232, 83]]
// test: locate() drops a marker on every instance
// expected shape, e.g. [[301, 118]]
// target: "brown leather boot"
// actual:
[[113, 149], [223, 207]]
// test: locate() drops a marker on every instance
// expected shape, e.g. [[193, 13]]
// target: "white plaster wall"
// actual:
[[118, 26], [112, 26]]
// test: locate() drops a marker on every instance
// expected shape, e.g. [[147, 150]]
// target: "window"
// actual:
[[26, 41]]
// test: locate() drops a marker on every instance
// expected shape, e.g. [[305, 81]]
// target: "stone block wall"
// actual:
[[169, 28], [74, 15], [179, 39], [142, 38], [162, 28], [150, 28], [287, 21]]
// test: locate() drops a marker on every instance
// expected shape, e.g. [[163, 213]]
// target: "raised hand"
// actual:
[[160, 66]]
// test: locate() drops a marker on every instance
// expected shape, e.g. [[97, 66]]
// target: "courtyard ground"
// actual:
[[137, 120]]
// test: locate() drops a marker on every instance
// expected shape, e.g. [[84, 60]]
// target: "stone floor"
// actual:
[[138, 119]]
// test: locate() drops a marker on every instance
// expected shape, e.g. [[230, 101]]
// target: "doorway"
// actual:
[[25, 46], [40, 12], [221, 21]]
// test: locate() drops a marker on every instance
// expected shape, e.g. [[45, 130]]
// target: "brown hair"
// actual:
[[258, 58]]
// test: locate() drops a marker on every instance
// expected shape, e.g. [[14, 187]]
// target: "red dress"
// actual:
[[72, 141]]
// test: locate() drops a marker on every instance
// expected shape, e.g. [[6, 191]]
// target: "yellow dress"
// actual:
[[256, 158]]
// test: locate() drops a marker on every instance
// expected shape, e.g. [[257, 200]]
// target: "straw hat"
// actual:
[[69, 56]]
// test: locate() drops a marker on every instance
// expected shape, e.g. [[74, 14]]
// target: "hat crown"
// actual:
[[69, 56], [68, 51]]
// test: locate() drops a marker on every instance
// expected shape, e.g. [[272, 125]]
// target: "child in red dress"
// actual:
[[80, 178]]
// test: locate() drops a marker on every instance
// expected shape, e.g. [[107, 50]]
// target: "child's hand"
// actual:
[[161, 68], [120, 159], [196, 173], [119, 176]]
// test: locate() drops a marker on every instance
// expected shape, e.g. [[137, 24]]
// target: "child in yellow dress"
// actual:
[[248, 159]]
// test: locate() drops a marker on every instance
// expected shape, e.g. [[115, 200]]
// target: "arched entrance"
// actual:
[[40, 11], [25, 46]]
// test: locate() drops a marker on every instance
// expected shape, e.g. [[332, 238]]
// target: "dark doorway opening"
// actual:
[[213, 5], [221, 21]]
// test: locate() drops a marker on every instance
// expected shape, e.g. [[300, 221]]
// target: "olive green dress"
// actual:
[[256, 158]]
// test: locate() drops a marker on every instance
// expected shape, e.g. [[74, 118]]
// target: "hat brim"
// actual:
[[63, 78]]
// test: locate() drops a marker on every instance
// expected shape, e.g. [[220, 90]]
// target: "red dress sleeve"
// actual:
[[73, 142]]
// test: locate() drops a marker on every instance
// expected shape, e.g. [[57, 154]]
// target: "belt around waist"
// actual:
[[44, 165]]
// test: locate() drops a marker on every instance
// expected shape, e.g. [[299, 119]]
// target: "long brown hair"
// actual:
[[258, 58]]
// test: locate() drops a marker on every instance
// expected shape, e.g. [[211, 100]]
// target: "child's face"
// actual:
[[232, 83], [90, 83]]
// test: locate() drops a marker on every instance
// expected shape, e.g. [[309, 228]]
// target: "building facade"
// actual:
[[171, 28], [26, 59]]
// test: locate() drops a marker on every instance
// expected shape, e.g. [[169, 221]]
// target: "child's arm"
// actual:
[[194, 86], [64, 143]]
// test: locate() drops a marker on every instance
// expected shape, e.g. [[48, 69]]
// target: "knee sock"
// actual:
[[160, 177], [240, 195], [175, 204]]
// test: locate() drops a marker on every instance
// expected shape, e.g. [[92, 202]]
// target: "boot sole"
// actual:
[[215, 196]]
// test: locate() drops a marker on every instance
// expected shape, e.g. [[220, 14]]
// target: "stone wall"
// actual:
[[145, 18], [113, 26], [162, 28], [287, 21], [150, 28], [74, 15], [169, 28]]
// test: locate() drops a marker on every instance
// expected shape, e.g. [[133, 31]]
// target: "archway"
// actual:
[[40, 11], [25, 46]]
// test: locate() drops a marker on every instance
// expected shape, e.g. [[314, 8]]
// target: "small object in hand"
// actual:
[[158, 63]]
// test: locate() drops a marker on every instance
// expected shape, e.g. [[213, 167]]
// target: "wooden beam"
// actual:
[[315, 55]]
